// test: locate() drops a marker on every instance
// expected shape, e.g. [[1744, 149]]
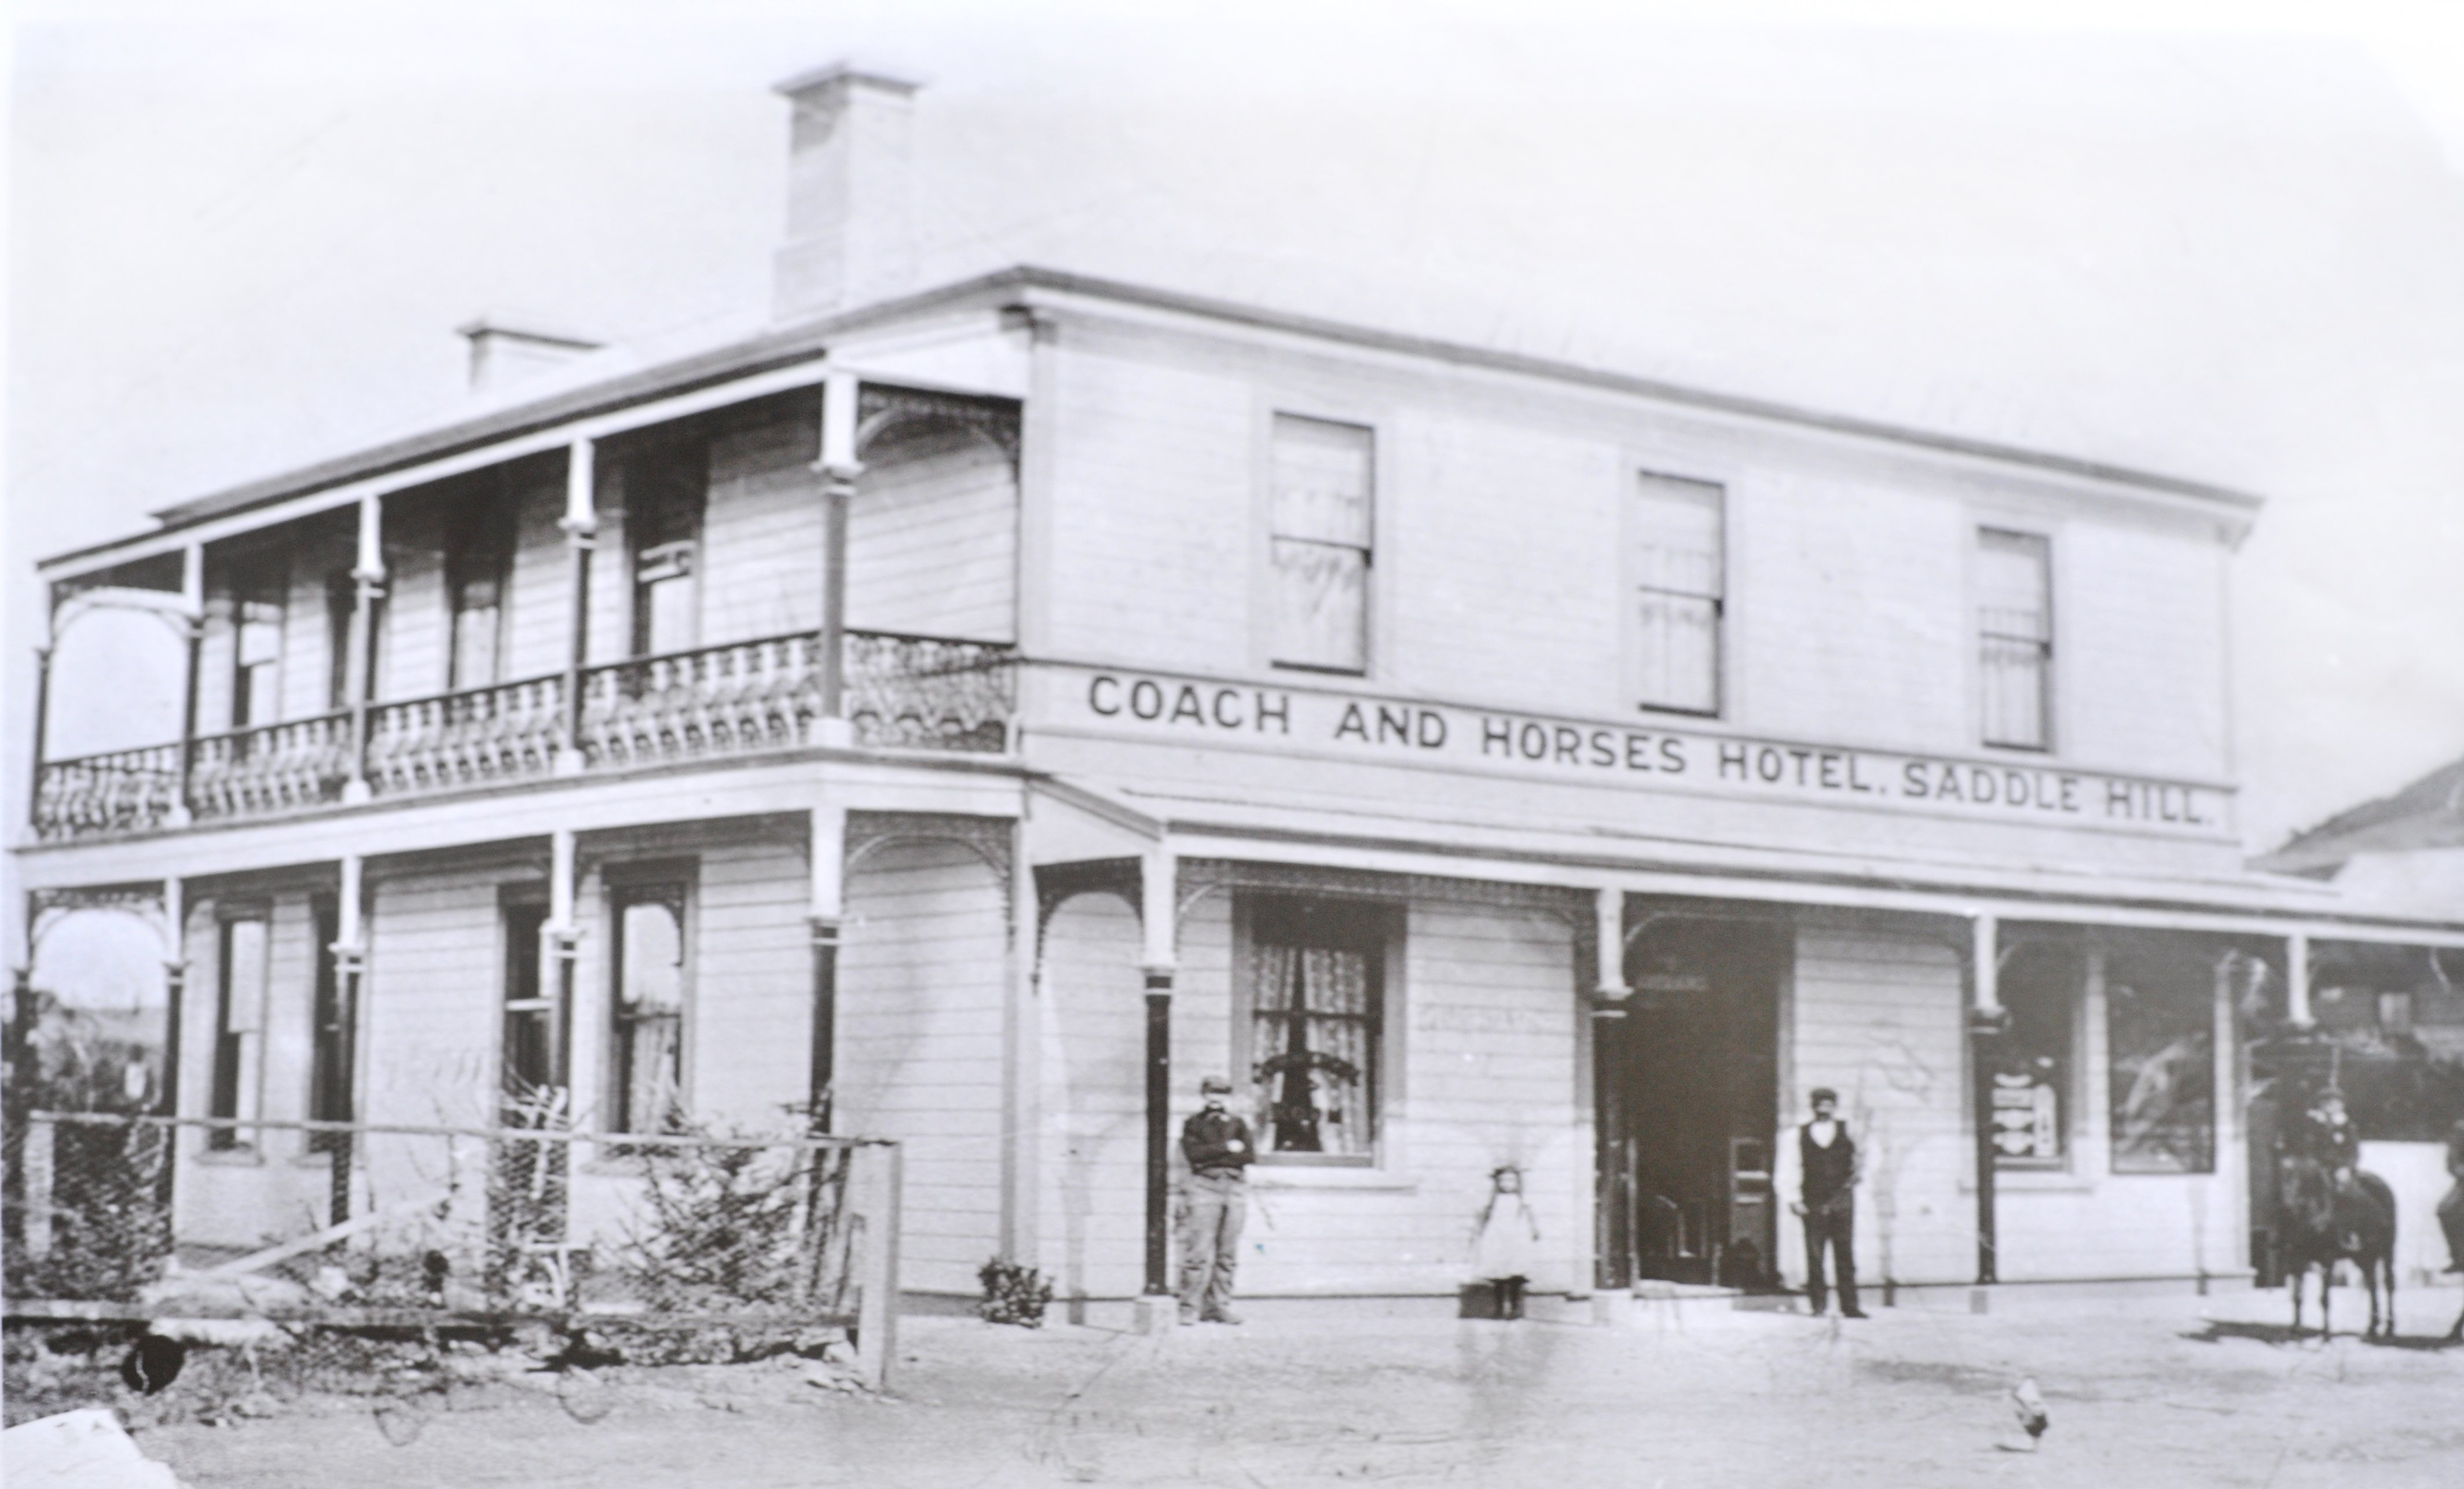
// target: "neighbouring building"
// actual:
[[970, 712]]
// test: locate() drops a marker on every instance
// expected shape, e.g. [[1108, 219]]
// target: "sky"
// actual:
[[2223, 243]]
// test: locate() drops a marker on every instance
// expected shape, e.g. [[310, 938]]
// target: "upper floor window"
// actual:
[[342, 602], [666, 488], [257, 658], [651, 982], [1316, 1011], [478, 554], [2015, 624], [1324, 476], [1674, 564], [245, 964]]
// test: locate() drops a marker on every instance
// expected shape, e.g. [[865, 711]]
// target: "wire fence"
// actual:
[[131, 1218]]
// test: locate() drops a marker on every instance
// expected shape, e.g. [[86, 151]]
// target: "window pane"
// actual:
[[2012, 592], [1321, 606], [2014, 676], [1322, 481], [1676, 652], [2032, 1061], [474, 642], [244, 998], [2015, 627], [2164, 1078], [1678, 538]]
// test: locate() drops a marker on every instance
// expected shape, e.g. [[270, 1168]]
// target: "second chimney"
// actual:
[[849, 238]]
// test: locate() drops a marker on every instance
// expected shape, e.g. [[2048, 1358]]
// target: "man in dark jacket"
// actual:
[[1831, 1169], [1218, 1148]]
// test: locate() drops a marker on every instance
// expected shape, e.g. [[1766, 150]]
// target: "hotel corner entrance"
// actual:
[[1688, 1093]]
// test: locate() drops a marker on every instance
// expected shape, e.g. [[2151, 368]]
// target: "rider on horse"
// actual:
[[2332, 1141]]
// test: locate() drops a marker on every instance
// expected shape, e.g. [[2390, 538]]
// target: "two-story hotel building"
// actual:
[[969, 714]]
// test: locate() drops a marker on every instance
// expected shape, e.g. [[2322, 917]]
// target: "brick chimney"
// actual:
[[849, 237]]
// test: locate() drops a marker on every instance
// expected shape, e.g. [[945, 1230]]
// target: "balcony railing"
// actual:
[[271, 769], [482, 737], [99, 794], [900, 691], [927, 694]]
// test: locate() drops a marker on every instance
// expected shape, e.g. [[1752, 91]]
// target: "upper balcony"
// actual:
[[698, 589]]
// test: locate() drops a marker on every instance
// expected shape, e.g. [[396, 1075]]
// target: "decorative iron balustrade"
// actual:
[[271, 769], [94, 795], [927, 694], [899, 692], [483, 736], [721, 700]]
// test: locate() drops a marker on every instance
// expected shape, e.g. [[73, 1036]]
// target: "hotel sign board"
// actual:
[[1327, 724]]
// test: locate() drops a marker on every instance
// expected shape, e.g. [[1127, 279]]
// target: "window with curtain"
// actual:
[[1317, 987], [651, 982], [1323, 480], [1676, 563], [2014, 622], [243, 963]]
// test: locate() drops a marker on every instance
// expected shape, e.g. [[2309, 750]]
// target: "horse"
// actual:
[[2326, 1223]]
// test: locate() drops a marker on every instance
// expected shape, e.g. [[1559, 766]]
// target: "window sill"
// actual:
[[232, 1158], [1348, 1176], [2037, 1181]]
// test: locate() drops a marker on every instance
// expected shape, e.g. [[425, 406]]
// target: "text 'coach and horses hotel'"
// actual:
[[975, 707]]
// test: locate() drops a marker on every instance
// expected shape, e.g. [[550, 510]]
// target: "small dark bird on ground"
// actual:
[[153, 1364], [2030, 1407]]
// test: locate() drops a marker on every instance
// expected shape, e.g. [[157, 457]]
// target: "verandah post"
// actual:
[[1986, 1020], [838, 469], [192, 596], [368, 577], [1158, 911], [580, 524], [829, 849]]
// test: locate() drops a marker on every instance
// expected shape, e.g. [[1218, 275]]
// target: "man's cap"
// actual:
[[1215, 1085], [1821, 1093]]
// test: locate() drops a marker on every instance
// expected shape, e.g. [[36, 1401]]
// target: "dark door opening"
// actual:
[[1689, 1094]]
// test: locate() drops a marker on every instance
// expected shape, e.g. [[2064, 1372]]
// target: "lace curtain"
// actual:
[[1312, 1048]]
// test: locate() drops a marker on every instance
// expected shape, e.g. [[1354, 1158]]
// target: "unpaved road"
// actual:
[[2177, 1391]]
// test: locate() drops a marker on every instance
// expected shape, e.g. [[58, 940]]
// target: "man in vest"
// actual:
[[1831, 1169], [1218, 1146]]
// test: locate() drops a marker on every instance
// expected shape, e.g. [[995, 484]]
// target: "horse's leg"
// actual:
[[2387, 1264], [2293, 1280], [2326, 1301]]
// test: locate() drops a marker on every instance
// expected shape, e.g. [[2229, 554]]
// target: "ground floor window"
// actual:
[[243, 964], [2029, 1070], [2160, 1030], [530, 1070], [652, 983], [1317, 995]]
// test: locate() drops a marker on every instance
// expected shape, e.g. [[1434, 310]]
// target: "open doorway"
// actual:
[[1690, 1093]]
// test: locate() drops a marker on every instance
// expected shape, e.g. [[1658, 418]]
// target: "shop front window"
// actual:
[[2160, 1018], [1317, 977]]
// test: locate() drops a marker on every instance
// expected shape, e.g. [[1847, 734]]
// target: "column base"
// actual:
[[568, 762], [834, 733], [355, 792], [1154, 1315]]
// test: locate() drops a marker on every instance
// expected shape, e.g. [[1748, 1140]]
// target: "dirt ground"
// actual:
[[2166, 1390]]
